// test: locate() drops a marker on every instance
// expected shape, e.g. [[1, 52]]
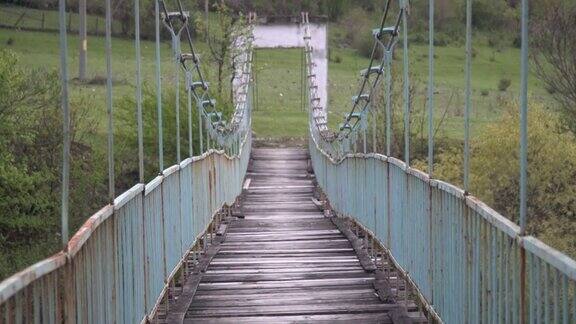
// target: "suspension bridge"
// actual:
[[337, 232]]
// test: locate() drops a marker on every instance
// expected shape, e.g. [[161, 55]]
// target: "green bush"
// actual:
[[494, 172], [30, 163], [504, 84]]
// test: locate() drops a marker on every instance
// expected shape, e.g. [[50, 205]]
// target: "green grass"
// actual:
[[279, 107], [278, 113]]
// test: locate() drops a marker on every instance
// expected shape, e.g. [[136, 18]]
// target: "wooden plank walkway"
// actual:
[[284, 261]]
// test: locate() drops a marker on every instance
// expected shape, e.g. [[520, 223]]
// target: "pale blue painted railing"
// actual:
[[119, 263], [468, 262]]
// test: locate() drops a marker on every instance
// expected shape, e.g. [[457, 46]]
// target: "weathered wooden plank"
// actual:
[[287, 283], [345, 308], [283, 261], [381, 318], [288, 294]]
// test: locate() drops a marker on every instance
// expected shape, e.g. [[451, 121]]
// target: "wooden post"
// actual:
[[83, 40]]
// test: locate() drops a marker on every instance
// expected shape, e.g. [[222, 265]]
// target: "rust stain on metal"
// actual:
[[522, 285]]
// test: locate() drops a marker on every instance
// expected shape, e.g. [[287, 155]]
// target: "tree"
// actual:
[[220, 39], [553, 56]]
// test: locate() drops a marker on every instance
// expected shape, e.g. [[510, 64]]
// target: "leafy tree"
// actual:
[[494, 171], [553, 55], [30, 160]]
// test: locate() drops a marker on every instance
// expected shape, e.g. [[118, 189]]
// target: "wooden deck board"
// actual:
[[284, 261]]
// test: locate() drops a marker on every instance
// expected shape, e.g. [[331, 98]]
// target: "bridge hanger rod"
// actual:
[[431, 88], [65, 122], [111, 189], [158, 88], [139, 91]]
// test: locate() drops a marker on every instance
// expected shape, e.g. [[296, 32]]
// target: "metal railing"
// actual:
[[469, 263], [117, 267], [118, 264]]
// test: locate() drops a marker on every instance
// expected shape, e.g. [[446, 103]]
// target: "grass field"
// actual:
[[279, 112]]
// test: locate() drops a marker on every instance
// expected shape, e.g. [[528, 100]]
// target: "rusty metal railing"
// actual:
[[469, 263], [116, 267]]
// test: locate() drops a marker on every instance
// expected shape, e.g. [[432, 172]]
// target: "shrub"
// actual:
[[484, 93], [494, 171], [10, 41], [442, 39], [504, 84]]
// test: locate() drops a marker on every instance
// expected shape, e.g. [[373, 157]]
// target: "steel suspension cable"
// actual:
[[339, 141], [223, 133]]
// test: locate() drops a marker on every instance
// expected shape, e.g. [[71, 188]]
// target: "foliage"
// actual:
[[553, 56], [491, 15], [358, 31], [494, 170], [30, 156], [504, 84]]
